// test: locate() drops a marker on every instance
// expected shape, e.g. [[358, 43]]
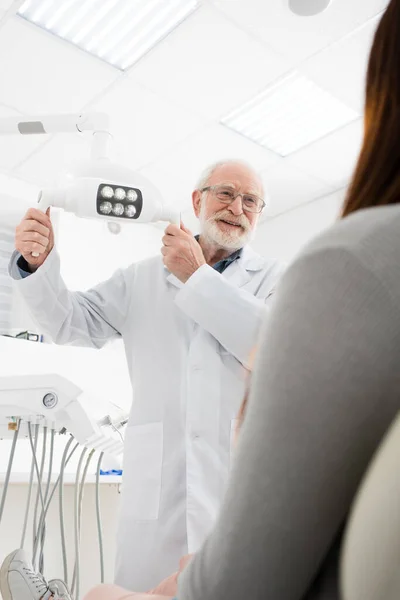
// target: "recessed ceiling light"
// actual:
[[289, 115], [119, 32], [308, 8]]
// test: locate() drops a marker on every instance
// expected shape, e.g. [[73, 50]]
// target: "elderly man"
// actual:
[[189, 321]]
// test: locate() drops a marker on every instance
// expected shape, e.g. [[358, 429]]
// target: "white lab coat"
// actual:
[[187, 347]]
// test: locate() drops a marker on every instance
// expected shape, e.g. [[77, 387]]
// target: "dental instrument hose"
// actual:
[[9, 467], [89, 458], [76, 522], [56, 486], [61, 510], [42, 530], [98, 516], [28, 503], [35, 527], [36, 468]]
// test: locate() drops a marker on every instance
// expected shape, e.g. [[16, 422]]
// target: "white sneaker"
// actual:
[[18, 581]]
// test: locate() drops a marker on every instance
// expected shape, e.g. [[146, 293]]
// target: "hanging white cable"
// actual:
[[33, 448], [56, 486], [83, 480], [35, 527], [61, 511], [42, 529], [28, 502], [98, 515], [76, 526], [89, 458], [8, 472], [51, 458]]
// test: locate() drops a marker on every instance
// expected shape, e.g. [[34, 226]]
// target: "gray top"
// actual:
[[325, 390]]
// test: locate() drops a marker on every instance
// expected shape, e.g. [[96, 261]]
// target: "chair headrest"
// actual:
[[371, 551]]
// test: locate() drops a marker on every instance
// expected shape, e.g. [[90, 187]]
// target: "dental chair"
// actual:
[[371, 552]]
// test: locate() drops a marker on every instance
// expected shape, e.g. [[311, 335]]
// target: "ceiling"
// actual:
[[165, 110]]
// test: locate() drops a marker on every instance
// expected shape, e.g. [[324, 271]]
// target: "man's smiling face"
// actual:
[[228, 226]]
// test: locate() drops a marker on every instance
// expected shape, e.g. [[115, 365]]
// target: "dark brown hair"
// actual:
[[376, 181]]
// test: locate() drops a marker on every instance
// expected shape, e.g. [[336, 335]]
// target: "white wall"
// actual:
[[11, 529], [90, 253], [285, 235]]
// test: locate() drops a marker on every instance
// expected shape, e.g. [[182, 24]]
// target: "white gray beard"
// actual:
[[212, 234]]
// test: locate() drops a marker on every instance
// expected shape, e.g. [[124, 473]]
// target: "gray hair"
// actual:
[[208, 172]]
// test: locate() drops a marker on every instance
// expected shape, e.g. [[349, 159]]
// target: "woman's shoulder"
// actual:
[[359, 252], [360, 228], [370, 235]]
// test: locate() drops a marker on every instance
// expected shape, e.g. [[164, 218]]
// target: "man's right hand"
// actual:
[[35, 234]]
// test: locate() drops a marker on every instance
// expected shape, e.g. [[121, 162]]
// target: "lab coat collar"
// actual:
[[238, 272], [251, 261]]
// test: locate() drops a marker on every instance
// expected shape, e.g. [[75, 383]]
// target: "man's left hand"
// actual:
[[181, 251]]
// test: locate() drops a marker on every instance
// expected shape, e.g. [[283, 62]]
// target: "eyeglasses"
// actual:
[[227, 195]]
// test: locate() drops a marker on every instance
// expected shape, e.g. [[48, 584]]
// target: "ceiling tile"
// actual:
[[209, 65], [333, 158], [54, 158], [15, 148], [341, 68], [61, 78], [144, 124], [212, 144], [288, 187], [298, 37]]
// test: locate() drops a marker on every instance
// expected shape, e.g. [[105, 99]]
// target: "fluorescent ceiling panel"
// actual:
[[289, 115], [119, 32]]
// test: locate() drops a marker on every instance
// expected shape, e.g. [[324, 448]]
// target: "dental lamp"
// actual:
[[99, 188]]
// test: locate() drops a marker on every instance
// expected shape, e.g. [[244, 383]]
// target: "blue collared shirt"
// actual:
[[223, 264], [23, 267]]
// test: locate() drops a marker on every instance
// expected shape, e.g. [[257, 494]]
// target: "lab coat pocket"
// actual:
[[143, 457]]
